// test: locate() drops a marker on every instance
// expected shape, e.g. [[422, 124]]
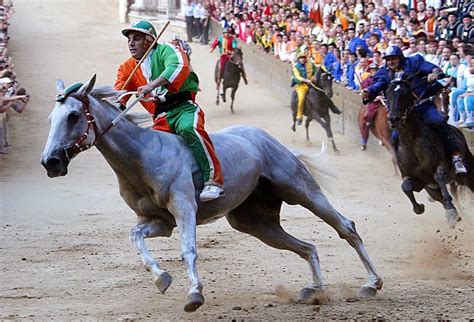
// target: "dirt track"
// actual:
[[64, 242]]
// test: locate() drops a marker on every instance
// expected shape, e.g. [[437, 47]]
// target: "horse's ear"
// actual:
[[87, 87], [59, 86]]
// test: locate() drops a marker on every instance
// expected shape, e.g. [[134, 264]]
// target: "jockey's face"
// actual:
[[393, 62], [137, 44]]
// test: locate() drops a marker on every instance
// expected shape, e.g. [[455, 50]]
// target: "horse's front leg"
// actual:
[[184, 208], [451, 212], [149, 228], [408, 186]]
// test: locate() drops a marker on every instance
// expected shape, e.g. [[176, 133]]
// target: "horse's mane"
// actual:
[[107, 94]]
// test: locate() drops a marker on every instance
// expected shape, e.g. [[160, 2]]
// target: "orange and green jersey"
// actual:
[[164, 61]]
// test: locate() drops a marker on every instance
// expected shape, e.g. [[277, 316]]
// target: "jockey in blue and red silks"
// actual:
[[397, 63], [227, 43]]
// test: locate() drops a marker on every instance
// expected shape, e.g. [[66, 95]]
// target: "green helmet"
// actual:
[[142, 26]]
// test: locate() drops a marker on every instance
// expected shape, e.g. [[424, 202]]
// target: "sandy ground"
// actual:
[[64, 243]]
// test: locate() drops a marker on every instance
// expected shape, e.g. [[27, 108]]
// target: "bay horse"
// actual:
[[230, 78], [421, 157], [379, 128], [317, 104], [160, 181]]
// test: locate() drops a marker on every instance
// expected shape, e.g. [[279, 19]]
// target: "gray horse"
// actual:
[[317, 105], [160, 181]]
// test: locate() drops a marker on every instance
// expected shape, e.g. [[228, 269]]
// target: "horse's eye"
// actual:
[[72, 118]]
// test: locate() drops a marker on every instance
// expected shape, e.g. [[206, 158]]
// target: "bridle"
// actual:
[[79, 146], [419, 100]]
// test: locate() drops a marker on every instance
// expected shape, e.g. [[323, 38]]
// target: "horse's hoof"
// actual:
[[163, 282], [337, 151], [310, 295], [367, 292], [217, 102], [452, 217], [194, 301], [293, 128], [419, 209]]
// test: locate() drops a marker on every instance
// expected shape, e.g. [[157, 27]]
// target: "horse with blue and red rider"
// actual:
[[430, 153]]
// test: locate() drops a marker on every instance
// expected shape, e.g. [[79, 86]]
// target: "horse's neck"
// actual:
[[121, 142]]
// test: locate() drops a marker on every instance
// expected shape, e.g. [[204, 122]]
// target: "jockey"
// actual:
[[165, 74], [396, 64], [302, 74], [227, 43], [182, 44]]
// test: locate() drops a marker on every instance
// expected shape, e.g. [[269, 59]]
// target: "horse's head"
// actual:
[[69, 127], [324, 80], [237, 56], [400, 101]]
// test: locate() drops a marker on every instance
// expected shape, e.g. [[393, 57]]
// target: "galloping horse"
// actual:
[[421, 157], [317, 104], [380, 128], [230, 77], [160, 181]]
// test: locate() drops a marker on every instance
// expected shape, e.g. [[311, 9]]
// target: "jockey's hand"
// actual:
[[364, 93], [365, 96], [307, 81], [144, 90], [432, 77]]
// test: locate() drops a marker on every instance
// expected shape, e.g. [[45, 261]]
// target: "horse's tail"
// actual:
[[318, 166]]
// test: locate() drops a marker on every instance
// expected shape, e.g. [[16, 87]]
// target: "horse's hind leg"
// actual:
[[320, 206], [264, 224], [408, 186], [149, 228], [451, 212]]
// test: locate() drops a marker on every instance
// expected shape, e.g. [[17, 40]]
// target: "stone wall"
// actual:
[[276, 75]]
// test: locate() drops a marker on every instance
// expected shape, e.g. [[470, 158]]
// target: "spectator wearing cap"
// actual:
[[453, 25], [442, 28], [466, 30], [372, 106]]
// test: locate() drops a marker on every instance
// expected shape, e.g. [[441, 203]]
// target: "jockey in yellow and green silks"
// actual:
[[302, 74]]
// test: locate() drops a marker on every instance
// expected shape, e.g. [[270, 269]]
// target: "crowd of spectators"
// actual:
[[11, 96], [346, 36]]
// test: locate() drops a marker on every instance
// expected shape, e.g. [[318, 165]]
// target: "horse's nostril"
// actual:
[[51, 163]]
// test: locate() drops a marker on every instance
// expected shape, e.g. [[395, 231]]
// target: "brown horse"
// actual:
[[380, 128]]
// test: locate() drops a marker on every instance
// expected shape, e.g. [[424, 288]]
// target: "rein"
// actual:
[[419, 100], [78, 146], [318, 88]]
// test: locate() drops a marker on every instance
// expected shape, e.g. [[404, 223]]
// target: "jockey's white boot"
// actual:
[[452, 116], [462, 118], [210, 192], [459, 166]]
